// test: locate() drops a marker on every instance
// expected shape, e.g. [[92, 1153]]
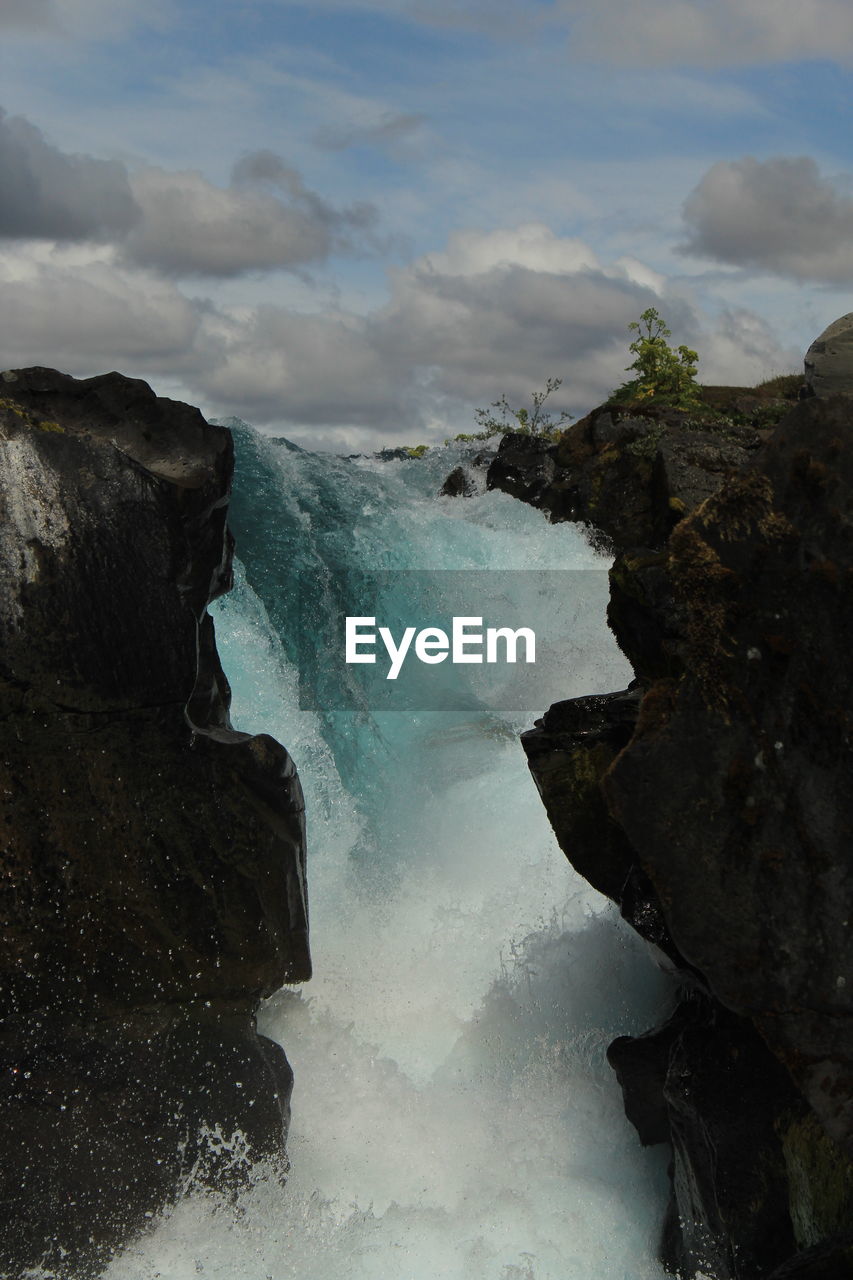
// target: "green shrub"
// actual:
[[530, 422], [664, 377]]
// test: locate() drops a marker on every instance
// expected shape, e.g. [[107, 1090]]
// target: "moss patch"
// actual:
[[820, 1180]]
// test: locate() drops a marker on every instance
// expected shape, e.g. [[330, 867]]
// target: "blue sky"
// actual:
[[354, 222]]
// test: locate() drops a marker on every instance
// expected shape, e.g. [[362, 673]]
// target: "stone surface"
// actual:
[[756, 738], [718, 814], [832, 1260], [568, 752], [682, 1083], [523, 467], [829, 360], [459, 484], [629, 476], [153, 858]]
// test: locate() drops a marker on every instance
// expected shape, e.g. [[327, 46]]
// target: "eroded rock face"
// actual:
[[757, 737], [727, 806], [153, 858]]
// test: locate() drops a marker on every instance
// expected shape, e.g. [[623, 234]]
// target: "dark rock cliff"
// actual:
[[152, 858], [713, 801]]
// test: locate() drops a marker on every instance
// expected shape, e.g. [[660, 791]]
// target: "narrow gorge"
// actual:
[[476, 1002]]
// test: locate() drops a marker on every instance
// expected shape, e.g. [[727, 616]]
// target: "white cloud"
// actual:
[[387, 128], [532, 245], [277, 365], [717, 34], [176, 222], [48, 192], [86, 19], [701, 33], [267, 218], [26, 15], [778, 215], [85, 314], [742, 349], [493, 313]]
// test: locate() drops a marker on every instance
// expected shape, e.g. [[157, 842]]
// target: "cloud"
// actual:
[[310, 369], [176, 222], [266, 218], [45, 192], [86, 315], [698, 33], [705, 33], [492, 313], [391, 127], [88, 19], [742, 349], [26, 14], [718, 34], [778, 215]]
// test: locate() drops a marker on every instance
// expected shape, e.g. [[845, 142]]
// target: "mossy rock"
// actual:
[[820, 1178]]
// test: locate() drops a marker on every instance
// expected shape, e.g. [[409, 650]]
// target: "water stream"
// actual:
[[453, 1114]]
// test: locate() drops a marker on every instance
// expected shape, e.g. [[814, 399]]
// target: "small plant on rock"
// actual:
[[664, 377], [530, 422]]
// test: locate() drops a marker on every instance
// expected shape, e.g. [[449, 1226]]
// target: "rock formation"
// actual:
[[713, 801], [152, 857], [829, 360]]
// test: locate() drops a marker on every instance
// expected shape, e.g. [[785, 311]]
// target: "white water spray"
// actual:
[[453, 1114]]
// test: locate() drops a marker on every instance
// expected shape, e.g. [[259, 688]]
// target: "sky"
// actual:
[[354, 222]]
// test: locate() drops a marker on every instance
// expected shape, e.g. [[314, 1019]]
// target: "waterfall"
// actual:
[[453, 1114]]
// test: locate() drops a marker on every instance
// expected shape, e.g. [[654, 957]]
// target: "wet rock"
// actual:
[[469, 478], [726, 813], [756, 738], [831, 1260], [568, 753], [730, 1215], [459, 484], [106, 1123], [524, 466], [153, 858], [644, 618]]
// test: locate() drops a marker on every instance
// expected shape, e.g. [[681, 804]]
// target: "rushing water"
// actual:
[[453, 1115]]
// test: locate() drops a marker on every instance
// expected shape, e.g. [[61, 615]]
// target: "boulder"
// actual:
[[829, 360], [459, 484]]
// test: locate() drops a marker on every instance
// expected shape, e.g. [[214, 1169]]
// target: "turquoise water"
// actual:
[[453, 1114]]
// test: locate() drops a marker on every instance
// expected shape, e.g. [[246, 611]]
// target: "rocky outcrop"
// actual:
[[757, 736], [153, 858], [630, 475], [714, 803], [829, 360]]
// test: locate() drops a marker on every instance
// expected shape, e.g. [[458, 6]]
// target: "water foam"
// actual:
[[453, 1114]]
